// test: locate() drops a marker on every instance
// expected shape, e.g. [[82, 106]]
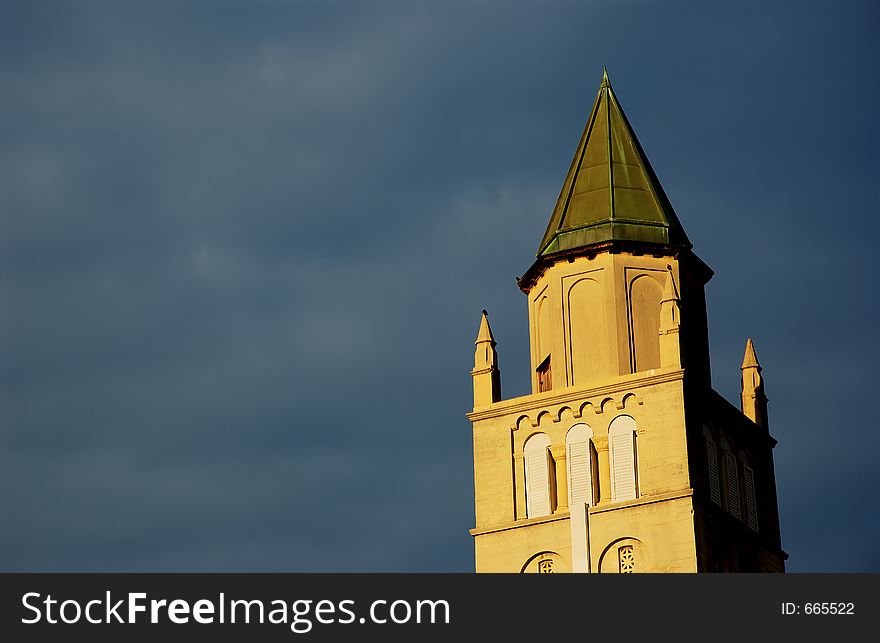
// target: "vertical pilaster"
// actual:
[[558, 453], [601, 445], [519, 486]]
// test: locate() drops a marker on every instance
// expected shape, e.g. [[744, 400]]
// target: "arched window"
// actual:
[[622, 454], [580, 474], [537, 463], [712, 462]]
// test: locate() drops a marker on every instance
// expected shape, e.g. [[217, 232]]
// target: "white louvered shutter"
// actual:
[[623, 473], [537, 483], [751, 507], [732, 485], [580, 478], [714, 483]]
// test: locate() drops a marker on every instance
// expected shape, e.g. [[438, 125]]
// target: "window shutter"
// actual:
[[580, 478], [537, 483], [623, 479], [714, 484], [732, 485], [751, 507]]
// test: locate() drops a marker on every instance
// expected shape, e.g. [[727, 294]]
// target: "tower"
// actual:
[[623, 458]]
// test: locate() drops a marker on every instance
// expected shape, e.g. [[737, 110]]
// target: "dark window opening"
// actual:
[[545, 381]]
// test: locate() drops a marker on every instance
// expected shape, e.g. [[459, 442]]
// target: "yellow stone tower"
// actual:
[[623, 458]]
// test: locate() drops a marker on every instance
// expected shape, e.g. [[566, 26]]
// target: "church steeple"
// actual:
[[622, 458], [610, 192]]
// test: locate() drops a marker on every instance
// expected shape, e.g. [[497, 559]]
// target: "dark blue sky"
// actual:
[[244, 247]]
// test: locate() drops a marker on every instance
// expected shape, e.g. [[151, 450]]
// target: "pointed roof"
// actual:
[[669, 291], [610, 193], [750, 359], [485, 332]]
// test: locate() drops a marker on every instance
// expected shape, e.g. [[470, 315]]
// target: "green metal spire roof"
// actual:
[[610, 193]]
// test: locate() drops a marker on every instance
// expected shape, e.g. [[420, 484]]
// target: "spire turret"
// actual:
[[486, 376], [754, 401], [670, 324]]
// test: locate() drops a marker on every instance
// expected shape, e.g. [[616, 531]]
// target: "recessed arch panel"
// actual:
[[587, 334], [645, 295]]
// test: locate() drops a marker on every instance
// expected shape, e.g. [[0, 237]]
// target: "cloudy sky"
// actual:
[[244, 247]]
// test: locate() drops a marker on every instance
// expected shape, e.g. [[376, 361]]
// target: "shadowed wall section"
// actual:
[[645, 295]]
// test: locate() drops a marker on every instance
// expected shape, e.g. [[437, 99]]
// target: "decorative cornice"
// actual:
[[596, 397], [526, 522], [598, 509], [644, 500], [691, 261]]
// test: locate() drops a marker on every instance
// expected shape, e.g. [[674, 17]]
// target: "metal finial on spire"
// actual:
[[605, 81]]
